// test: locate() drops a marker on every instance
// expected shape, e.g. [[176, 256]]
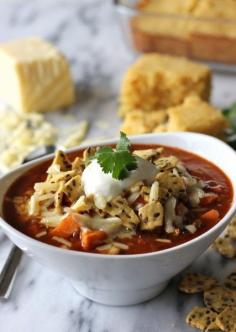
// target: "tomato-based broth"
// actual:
[[218, 197]]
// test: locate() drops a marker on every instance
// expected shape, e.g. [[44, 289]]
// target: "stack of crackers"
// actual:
[[226, 245], [163, 93], [219, 310]]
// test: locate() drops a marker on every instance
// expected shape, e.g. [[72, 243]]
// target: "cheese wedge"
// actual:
[[34, 76]]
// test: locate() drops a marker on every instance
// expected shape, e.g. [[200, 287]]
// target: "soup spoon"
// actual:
[[9, 270]]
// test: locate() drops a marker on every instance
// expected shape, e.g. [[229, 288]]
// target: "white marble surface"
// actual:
[[87, 32]]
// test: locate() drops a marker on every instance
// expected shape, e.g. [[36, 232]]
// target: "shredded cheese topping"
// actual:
[[62, 204]]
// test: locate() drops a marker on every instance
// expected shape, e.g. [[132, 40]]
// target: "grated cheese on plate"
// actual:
[[74, 135], [21, 134]]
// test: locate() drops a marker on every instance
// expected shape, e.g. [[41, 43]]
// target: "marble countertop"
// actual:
[[88, 33]]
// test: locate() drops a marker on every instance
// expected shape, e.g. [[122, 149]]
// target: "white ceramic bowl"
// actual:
[[131, 279]]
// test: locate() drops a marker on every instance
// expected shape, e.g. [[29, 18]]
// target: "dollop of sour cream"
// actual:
[[97, 183]]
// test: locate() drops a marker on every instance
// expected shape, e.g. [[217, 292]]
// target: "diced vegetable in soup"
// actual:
[[119, 200]]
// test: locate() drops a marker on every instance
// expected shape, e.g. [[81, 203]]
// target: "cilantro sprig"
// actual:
[[230, 114], [119, 161]]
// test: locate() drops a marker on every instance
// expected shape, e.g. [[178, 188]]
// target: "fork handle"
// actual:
[[9, 270]]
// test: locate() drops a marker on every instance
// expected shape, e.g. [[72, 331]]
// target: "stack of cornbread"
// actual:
[[200, 29], [161, 93]]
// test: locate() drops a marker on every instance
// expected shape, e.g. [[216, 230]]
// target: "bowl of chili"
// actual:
[[151, 254]]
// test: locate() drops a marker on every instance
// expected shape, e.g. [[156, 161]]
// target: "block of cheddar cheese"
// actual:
[[34, 76]]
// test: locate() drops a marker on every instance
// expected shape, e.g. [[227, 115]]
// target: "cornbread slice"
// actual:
[[167, 7], [214, 38], [157, 81], [207, 32], [35, 76], [163, 25], [156, 33], [193, 115], [197, 116], [138, 122], [152, 35], [219, 10]]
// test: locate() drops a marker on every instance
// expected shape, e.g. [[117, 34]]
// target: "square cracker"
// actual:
[[201, 318], [230, 280], [226, 320], [225, 246], [218, 298], [231, 229], [195, 283]]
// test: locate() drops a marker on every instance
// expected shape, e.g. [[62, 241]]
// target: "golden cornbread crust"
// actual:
[[163, 6], [211, 38], [138, 122], [193, 115], [157, 81], [149, 42], [197, 116], [217, 48]]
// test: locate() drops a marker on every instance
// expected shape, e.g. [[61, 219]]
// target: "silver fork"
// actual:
[[8, 273], [9, 270]]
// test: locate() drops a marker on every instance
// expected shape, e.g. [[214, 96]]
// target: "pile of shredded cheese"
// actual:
[[20, 134], [23, 133]]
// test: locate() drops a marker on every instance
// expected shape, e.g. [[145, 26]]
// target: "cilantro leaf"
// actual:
[[105, 158], [120, 161], [124, 162], [124, 143], [230, 114]]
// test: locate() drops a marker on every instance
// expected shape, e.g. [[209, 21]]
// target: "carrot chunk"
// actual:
[[211, 216], [91, 239], [66, 228]]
